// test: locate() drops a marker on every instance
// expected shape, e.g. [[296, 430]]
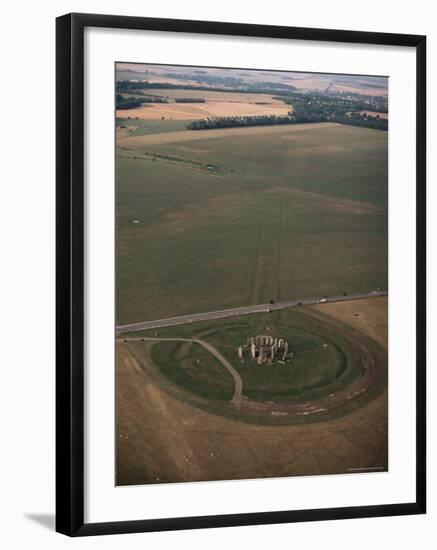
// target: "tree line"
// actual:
[[240, 121], [190, 100], [123, 86], [122, 102], [317, 107], [365, 121], [291, 118], [132, 102]]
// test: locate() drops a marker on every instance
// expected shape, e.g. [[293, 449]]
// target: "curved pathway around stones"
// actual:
[[237, 397], [354, 389]]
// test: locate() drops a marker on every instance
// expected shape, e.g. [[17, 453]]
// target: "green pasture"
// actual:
[[209, 224], [324, 362], [141, 127]]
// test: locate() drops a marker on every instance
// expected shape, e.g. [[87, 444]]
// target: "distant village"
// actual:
[[265, 350]]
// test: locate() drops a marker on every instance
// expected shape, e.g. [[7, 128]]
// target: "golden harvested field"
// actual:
[[124, 132], [169, 80], [184, 111], [135, 142], [368, 316], [161, 438], [313, 82], [360, 90]]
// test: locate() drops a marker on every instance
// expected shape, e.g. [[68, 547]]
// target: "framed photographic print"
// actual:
[[240, 274]]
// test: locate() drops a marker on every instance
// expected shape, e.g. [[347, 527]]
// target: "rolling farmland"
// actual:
[[267, 213], [251, 274]]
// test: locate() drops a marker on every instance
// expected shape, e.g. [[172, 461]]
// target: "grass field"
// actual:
[[138, 127], [288, 212], [322, 361], [191, 367], [211, 95], [325, 361], [166, 434], [138, 143]]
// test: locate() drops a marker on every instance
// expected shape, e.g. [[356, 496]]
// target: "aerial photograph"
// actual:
[[251, 253]]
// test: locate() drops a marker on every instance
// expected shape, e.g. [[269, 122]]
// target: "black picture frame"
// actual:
[[70, 273]]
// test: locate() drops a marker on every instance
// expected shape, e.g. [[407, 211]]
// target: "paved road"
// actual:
[[236, 399], [246, 310]]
